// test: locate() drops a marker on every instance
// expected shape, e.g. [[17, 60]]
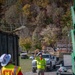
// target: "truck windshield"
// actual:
[[45, 56]]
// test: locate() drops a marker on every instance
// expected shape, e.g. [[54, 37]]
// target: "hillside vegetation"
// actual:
[[45, 21]]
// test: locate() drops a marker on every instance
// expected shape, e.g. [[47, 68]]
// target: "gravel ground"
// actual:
[[46, 73], [53, 72]]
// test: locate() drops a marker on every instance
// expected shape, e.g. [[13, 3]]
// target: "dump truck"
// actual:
[[9, 44]]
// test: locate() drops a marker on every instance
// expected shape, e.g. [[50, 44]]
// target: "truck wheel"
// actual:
[[50, 65], [54, 67], [47, 69], [58, 74]]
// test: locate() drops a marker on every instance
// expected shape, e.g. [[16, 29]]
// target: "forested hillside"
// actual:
[[45, 21]]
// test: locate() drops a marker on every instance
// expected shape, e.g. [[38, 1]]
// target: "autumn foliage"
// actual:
[[25, 43], [51, 17]]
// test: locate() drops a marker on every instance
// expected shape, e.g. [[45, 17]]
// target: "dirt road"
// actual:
[[46, 73]]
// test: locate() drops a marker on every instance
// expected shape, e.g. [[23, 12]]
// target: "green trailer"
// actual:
[[73, 38]]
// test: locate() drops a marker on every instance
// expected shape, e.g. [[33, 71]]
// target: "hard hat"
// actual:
[[4, 59], [40, 53]]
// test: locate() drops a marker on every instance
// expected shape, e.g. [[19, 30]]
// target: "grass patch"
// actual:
[[26, 65]]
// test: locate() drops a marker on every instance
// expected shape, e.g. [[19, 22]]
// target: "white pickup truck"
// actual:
[[66, 69], [50, 62]]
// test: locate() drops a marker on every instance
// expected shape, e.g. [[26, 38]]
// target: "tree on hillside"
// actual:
[[42, 3], [49, 34], [41, 17], [26, 9], [11, 17], [0, 10], [37, 14], [40, 21], [14, 17], [36, 38], [25, 43]]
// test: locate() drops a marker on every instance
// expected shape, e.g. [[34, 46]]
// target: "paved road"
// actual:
[[53, 72], [46, 73]]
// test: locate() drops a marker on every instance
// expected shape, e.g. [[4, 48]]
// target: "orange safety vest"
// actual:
[[10, 70]]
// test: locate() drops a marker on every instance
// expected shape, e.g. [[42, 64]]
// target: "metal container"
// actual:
[[9, 45]]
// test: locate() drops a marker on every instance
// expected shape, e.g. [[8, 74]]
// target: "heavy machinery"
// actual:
[[9, 44], [73, 38]]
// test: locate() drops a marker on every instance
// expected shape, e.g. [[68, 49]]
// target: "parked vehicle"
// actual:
[[50, 63], [31, 57], [65, 68], [61, 70], [24, 56]]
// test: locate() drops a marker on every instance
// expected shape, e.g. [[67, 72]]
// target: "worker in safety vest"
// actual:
[[7, 67], [41, 64]]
